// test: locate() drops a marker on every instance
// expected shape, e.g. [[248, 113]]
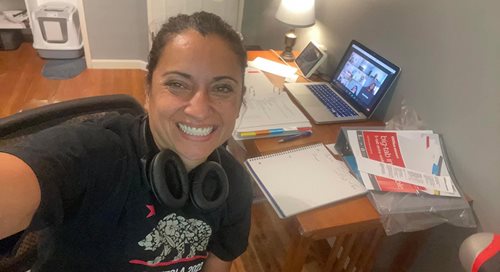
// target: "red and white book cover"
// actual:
[[418, 152]]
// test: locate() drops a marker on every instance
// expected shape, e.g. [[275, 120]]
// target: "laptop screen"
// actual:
[[363, 77]]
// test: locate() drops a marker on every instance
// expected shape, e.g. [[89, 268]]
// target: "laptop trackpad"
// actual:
[[308, 100], [314, 107]]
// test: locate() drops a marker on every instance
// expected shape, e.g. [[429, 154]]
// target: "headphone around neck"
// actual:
[[206, 185]]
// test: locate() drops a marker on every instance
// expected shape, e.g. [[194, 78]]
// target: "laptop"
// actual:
[[355, 90]]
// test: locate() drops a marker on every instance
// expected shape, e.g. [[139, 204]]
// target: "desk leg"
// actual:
[[367, 261], [346, 252], [297, 253], [332, 257]]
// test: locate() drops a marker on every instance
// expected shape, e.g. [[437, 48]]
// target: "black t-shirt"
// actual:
[[97, 213]]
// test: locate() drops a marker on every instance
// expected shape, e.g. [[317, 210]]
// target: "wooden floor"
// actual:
[[23, 86]]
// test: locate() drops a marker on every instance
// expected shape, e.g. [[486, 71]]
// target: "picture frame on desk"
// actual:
[[310, 58]]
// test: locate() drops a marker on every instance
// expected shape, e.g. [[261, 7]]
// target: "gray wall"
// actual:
[[12, 5], [117, 29], [449, 54]]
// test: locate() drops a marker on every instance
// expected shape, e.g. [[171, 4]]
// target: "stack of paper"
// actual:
[[286, 71], [267, 111], [401, 161]]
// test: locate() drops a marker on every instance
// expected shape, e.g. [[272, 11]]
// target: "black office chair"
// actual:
[[14, 127]]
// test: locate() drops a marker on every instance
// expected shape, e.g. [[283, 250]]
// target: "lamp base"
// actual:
[[290, 38], [287, 56]]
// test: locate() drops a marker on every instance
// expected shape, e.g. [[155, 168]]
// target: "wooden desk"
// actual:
[[354, 223]]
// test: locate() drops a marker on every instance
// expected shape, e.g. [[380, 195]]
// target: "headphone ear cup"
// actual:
[[210, 186], [168, 179]]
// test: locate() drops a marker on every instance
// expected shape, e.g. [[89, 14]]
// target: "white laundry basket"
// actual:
[[56, 31]]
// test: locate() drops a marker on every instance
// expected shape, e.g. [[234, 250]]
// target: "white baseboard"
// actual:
[[118, 64]]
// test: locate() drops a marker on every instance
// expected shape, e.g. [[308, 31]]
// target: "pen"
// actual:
[[277, 55], [299, 72], [306, 133]]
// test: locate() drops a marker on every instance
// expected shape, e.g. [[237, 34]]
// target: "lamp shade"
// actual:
[[296, 13]]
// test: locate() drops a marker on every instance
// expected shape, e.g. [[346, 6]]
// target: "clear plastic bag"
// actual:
[[406, 212], [406, 119], [402, 212]]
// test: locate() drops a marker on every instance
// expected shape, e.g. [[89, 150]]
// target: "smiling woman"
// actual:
[[153, 193], [194, 99]]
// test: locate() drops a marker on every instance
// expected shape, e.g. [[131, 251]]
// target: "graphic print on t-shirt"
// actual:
[[177, 235]]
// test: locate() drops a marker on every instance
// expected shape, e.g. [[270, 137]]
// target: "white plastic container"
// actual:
[[56, 31]]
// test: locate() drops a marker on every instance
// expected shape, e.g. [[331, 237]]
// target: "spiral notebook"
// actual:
[[302, 179]]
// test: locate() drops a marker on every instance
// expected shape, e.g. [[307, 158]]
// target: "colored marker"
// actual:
[[272, 131]]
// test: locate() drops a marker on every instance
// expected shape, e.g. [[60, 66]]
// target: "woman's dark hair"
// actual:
[[204, 23]]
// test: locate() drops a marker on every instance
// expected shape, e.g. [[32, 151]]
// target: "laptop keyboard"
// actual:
[[331, 100]]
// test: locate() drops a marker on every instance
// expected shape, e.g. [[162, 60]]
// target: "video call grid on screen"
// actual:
[[360, 70]]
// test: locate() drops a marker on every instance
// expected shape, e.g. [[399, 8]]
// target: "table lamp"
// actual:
[[294, 13]]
